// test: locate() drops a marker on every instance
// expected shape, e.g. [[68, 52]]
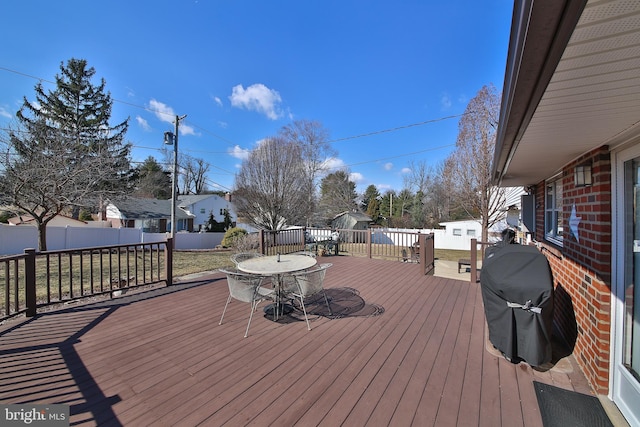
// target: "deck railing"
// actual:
[[475, 243], [35, 280], [371, 243]]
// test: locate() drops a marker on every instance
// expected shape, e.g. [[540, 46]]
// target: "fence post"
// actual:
[[304, 238], [426, 253], [261, 247], [30, 282], [168, 261], [474, 260], [369, 252]]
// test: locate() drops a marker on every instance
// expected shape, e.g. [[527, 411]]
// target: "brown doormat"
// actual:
[[563, 408]]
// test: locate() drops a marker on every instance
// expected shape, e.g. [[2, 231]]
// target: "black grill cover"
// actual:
[[517, 290]]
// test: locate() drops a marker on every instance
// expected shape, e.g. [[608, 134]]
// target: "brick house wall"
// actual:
[[582, 269]]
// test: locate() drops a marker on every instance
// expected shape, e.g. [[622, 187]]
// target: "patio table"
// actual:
[[277, 266]]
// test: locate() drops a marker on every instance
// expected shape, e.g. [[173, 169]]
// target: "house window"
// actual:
[[457, 231], [221, 211], [471, 233], [202, 210], [553, 210]]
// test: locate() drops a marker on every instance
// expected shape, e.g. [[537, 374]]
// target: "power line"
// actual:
[[440, 119], [394, 157]]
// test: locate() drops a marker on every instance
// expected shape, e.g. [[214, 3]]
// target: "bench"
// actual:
[[464, 262]]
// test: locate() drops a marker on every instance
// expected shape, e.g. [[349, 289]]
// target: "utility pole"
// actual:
[[172, 139]]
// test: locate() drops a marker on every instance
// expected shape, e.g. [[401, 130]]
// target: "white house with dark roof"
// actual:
[[201, 206], [150, 215]]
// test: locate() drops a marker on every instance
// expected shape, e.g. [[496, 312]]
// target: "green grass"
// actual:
[[189, 262]]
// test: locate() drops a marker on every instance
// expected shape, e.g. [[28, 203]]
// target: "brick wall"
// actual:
[[582, 268]]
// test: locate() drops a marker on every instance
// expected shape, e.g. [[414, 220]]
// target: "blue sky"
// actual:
[[388, 80]]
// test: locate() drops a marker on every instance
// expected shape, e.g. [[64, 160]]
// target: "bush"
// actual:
[[4, 216], [85, 215], [232, 236]]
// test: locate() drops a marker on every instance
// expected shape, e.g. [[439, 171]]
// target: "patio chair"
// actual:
[[305, 253], [245, 287], [308, 283], [415, 253], [243, 256]]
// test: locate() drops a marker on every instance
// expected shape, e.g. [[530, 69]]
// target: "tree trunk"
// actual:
[[42, 236]]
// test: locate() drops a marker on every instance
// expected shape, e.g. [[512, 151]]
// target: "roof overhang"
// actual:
[[572, 84]]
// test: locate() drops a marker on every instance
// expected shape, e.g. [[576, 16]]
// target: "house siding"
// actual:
[[582, 269]]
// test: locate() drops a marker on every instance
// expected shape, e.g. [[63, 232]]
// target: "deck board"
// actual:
[[160, 358]]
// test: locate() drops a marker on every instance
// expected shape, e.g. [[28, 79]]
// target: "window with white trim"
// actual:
[[471, 233], [553, 210], [457, 231]]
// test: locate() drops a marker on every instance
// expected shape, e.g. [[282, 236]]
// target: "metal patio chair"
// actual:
[[243, 256], [245, 287], [306, 284]]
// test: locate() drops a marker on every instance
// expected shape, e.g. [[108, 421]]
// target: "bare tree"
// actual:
[[432, 203], [312, 139], [193, 175], [469, 166], [271, 189], [43, 175]]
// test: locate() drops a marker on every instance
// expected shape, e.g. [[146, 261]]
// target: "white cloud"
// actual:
[[257, 97], [5, 113], [217, 101], [356, 177], [405, 170], [166, 114], [445, 101], [388, 166], [239, 152], [334, 164], [143, 124]]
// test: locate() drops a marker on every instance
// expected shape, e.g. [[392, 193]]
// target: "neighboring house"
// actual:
[[351, 221], [150, 215], [201, 206], [467, 230], [570, 133], [57, 221]]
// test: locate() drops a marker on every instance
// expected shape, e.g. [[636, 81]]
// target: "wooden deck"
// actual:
[[408, 350]]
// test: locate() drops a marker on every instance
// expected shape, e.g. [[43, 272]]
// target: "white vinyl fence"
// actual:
[[14, 239]]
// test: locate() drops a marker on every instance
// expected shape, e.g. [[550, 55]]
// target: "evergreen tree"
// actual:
[[337, 195], [152, 181], [63, 155], [371, 202], [227, 222]]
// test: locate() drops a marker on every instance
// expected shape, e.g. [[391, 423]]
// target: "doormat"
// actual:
[[560, 407]]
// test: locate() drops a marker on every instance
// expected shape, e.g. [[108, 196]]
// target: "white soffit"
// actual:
[[593, 98]]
